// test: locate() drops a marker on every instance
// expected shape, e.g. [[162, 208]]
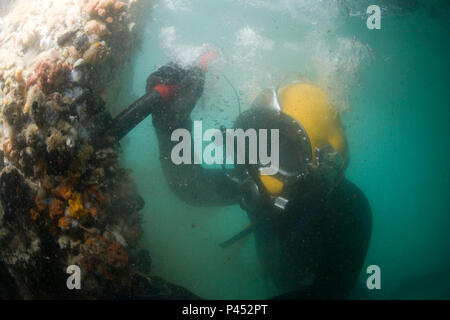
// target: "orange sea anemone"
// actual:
[[94, 193], [57, 208], [76, 208], [63, 190], [33, 214], [41, 206], [64, 222], [116, 255]]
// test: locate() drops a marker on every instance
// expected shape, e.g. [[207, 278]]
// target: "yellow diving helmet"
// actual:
[[311, 140]]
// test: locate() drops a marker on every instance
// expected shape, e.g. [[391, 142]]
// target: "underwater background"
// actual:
[[392, 88]]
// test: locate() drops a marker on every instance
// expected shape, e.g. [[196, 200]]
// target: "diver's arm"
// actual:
[[191, 182]]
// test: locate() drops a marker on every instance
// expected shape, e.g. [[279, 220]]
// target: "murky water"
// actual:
[[391, 86]]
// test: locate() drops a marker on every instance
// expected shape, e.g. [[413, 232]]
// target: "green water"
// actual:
[[392, 86]]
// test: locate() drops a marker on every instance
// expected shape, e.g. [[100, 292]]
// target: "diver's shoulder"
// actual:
[[349, 204], [350, 196]]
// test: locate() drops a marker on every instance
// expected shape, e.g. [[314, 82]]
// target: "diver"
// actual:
[[312, 226]]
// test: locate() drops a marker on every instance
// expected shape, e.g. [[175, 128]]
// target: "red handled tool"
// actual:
[[146, 105]]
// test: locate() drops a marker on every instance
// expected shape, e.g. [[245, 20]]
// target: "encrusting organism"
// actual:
[[62, 186]]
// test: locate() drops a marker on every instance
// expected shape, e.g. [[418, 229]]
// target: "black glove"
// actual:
[[176, 108]]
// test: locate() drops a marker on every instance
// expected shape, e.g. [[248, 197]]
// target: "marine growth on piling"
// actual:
[[65, 198]]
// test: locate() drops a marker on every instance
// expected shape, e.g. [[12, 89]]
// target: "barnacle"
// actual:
[[31, 134], [19, 75], [96, 52], [56, 141], [86, 151]]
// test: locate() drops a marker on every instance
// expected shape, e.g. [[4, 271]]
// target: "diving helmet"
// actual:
[[312, 149]]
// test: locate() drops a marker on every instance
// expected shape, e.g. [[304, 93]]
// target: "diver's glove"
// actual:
[[179, 89]]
